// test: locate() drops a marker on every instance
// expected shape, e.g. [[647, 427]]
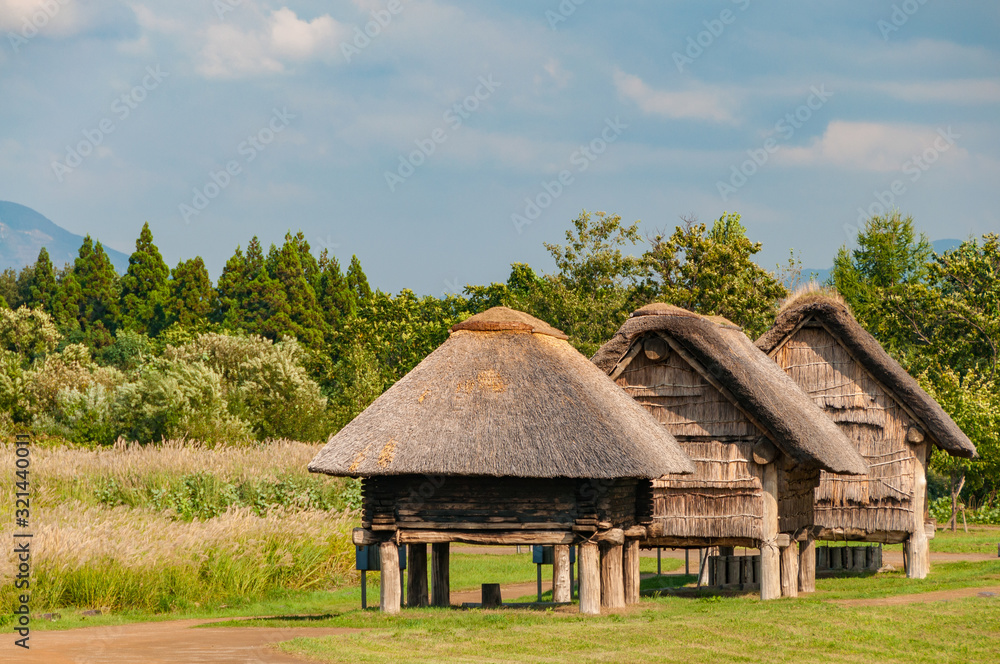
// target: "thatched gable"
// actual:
[[750, 380], [836, 318], [504, 396]]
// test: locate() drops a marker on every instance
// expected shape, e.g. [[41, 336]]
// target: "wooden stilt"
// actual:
[[770, 559], [416, 575], [917, 556], [807, 566], [389, 593], [630, 566], [612, 580], [590, 578], [790, 571], [561, 579], [440, 583]]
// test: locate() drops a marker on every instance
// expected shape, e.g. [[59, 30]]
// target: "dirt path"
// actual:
[[168, 642], [920, 598]]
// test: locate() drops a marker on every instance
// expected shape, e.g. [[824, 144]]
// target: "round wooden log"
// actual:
[[770, 558], [914, 435], [440, 581], [719, 566], [917, 546], [491, 596], [790, 571], [590, 578], [807, 566], [561, 579], [764, 452], [390, 593], [655, 348], [416, 575], [612, 580], [630, 566], [733, 570]]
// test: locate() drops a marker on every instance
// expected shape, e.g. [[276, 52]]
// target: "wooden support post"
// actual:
[[790, 571], [703, 566], [612, 581], [491, 598], [590, 579], [770, 559], [732, 570], [440, 583], [917, 556], [561, 580], [687, 562], [416, 575], [807, 565], [389, 593], [630, 565]]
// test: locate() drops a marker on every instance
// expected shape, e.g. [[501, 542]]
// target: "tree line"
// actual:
[[157, 352]]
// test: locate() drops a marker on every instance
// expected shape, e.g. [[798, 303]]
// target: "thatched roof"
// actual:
[[837, 319], [755, 383], [505, 396]]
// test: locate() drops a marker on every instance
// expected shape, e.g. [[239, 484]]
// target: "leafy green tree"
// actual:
[[144, 290], [8, 287], [232, 289], [66, 304], [711, 271], [28, 332], [882, 276], [192, 298], [335, 298], [305, 321]]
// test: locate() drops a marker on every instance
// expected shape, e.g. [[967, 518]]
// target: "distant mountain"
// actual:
[[23, 232], [820, 275]]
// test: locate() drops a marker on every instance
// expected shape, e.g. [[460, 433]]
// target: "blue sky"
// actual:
[[424, 136]]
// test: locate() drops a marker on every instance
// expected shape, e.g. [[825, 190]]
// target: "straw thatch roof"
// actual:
[[504, 396], [870, 355], [755, 384]]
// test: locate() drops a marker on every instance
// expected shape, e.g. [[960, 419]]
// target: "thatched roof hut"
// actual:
[[754, 435], [888, 417], [503, 434]]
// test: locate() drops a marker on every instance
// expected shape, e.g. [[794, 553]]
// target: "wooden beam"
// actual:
[[917, 554], [612, 579], [637, 532], [390, 593], [499, 537], [626, 360], [440, 581], [770, 559], [613, 536], [365, 537], [561, 583], [630, 567], [590, 579], [807, 566], [790, 571], [416, 575]]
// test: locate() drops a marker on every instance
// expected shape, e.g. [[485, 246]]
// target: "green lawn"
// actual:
[[979, 539]]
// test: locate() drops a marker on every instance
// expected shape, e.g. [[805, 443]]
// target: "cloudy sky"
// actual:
[[441, 141]]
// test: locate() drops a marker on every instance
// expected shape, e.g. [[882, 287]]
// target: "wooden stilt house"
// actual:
[[505, 434], [757, 440], [891, 421]]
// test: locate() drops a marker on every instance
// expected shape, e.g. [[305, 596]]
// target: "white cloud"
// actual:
[[52, 18], [960, 91], [231, 52], [700, 103], [869, 146]]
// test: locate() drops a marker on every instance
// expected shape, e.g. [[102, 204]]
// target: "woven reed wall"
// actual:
[[882, 500], [796, 488], [723, 498], [495, 503]]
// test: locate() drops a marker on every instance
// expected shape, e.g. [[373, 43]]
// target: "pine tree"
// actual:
[[306, 321], [231, 289], [310, 266], [99, 312], [8, 287], [41, 288], [66, 304], [191, 298], [358, 282], [144, 287], [336, 300]]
